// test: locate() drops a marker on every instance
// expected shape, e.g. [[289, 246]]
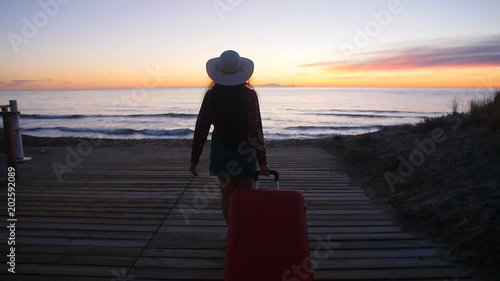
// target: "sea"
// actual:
[[170, 113]]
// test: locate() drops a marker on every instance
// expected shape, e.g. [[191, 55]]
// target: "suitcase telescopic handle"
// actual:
[[273, 172]]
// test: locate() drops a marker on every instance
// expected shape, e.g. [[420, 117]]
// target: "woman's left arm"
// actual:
[[256, 131]]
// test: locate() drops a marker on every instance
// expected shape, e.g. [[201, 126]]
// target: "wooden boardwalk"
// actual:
[[143, 217]]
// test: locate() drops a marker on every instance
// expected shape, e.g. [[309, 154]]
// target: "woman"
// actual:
[[232, 106]]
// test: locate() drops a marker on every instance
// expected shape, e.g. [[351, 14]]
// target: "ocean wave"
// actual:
[[81, 116], [284, 136], [366, 115], [338, 128], [116, 132], [374, 111]]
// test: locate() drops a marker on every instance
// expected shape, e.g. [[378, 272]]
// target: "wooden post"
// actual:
[[17, 132], [9, 138]]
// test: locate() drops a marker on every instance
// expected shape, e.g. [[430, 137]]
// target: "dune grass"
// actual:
[[453, 197], [485, 111], [478, 111]]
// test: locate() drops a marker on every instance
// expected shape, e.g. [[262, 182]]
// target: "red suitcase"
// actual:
[[267, 236]]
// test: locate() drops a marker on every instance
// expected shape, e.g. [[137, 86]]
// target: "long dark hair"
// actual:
[[246, 84], [229, 112]]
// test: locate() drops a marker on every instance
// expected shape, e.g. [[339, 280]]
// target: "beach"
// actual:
[[92, 209], [384, 115]]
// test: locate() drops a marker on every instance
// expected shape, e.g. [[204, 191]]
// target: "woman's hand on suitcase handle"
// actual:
[[264, 170], [193, 169]]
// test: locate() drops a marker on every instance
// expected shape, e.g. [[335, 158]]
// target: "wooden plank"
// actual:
[[47, 277], [314, 243], [198, 214], [218, 221], [337, 237], [180, 263], [62, 269], [98, 220], [354, 229], [64, 241], [152, 251], [47, 200], [219, 253], [101, 210], [312, 230], [79, 250], [85, 227], [34, 205], [37, 233], [181, 210], [393, 274], [356, 274], [181, 274], [390, 263], [214, 205], [75, 259], [159, 278], [22, 213]]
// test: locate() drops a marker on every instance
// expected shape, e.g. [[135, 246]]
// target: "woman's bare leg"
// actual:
[[225, 199], [228, 186]]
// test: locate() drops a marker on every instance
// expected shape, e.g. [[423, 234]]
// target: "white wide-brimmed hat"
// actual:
[[230, 69]]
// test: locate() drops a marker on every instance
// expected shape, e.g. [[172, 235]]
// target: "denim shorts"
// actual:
[[235, 162]]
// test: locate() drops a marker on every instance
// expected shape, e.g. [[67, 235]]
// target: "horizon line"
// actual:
[[495, 88]]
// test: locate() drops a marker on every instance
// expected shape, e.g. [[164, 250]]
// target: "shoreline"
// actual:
[[36, 141]]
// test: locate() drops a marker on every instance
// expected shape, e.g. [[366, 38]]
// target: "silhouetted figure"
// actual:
[[232, 106]]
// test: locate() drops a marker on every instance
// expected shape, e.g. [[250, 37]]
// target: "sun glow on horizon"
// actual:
[[161, 44]]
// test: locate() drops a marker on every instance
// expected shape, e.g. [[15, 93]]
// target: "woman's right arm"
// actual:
[[201, 130]]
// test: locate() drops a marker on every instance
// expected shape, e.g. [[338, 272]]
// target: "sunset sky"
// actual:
[[95, 44]]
